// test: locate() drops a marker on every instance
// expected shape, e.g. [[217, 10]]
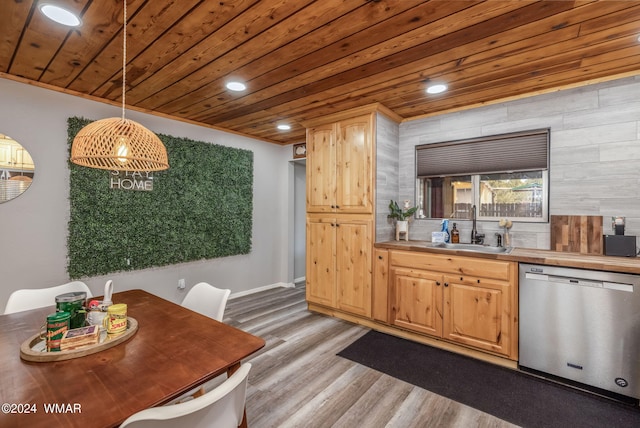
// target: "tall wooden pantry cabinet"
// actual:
[[340, 211]]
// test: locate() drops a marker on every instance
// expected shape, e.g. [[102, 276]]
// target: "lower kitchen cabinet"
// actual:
[[380, 294], [321, 261], [339, 263], [416, 300], [478, 312], [439, 299]]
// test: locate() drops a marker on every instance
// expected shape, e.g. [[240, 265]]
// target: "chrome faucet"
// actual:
[[476, 238]]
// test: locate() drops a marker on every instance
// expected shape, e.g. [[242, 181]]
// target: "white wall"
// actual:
[[33, 227], [594, 152], [299, 220]]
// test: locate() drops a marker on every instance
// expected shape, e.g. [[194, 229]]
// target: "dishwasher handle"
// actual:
[[564, 279], [583, 282]]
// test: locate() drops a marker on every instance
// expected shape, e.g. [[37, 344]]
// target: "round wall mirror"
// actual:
[[16, 169]]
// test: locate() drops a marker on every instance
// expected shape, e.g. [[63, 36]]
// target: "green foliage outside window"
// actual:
[[200, 208]]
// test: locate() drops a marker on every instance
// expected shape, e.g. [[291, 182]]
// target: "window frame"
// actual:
[[476, 176]]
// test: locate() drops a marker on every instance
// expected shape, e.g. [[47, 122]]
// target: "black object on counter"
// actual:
[[620, 245]]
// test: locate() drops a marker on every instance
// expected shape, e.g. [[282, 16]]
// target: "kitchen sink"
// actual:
[[471, 247]]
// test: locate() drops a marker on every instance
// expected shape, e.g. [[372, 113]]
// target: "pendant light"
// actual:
[[119, 144], [20, 154]]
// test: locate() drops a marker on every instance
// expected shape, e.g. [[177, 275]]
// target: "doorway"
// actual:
[[299, 220]]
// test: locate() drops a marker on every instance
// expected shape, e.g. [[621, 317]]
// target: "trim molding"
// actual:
[[263, 288], [525, 95], [133, 108], [351, 113]]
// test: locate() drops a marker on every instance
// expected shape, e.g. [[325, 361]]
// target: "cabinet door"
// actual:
[[354, 166], [353, 266], [380, 297], [321, 256], [321, 158], [478, 313], [416, 300]]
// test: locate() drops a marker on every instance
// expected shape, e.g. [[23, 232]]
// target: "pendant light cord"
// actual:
[[124, 58]]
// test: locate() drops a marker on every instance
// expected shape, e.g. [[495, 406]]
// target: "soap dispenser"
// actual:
[[445, 229]]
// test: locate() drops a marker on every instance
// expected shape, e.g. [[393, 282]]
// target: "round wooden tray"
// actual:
[[32, 349]]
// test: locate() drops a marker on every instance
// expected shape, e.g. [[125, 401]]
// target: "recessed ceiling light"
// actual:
[[236, 86], [284, 127], [437, 88], [60, 15]]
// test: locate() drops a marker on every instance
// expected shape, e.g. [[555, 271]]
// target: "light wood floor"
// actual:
[[298, 381]]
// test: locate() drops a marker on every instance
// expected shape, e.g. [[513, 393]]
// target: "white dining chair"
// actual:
[[207, 300], [33, 298], [221, 407]]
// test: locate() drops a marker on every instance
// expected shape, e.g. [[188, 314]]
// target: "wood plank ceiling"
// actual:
[[303, 59]]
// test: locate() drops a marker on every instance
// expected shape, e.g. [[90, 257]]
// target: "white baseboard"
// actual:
[[264, 288], [301, 279]]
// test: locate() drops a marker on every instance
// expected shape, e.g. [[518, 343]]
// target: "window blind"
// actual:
[[519, 151]]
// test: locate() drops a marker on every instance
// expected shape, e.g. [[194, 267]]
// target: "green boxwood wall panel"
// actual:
[[200, 208]]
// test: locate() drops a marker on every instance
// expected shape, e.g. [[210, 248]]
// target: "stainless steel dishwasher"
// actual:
[[581, 325]]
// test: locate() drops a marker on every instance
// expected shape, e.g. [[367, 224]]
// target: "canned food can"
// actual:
[[57, 325], [74, 303], [116, 320]]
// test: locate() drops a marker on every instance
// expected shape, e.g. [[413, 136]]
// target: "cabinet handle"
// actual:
[[446, 284], [380, 257], [478, 281], [333, 206], [338, 206], [437, 282], [461, 279]]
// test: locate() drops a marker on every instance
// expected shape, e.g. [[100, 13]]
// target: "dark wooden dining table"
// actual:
[[173, 351]]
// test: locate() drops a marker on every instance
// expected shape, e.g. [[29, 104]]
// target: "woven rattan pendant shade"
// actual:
[[118, 144], [21, 178]]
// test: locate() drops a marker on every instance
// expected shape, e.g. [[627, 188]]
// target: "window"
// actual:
[[505, 176]]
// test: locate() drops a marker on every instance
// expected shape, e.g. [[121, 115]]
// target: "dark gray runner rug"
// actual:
[[508, 394]]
